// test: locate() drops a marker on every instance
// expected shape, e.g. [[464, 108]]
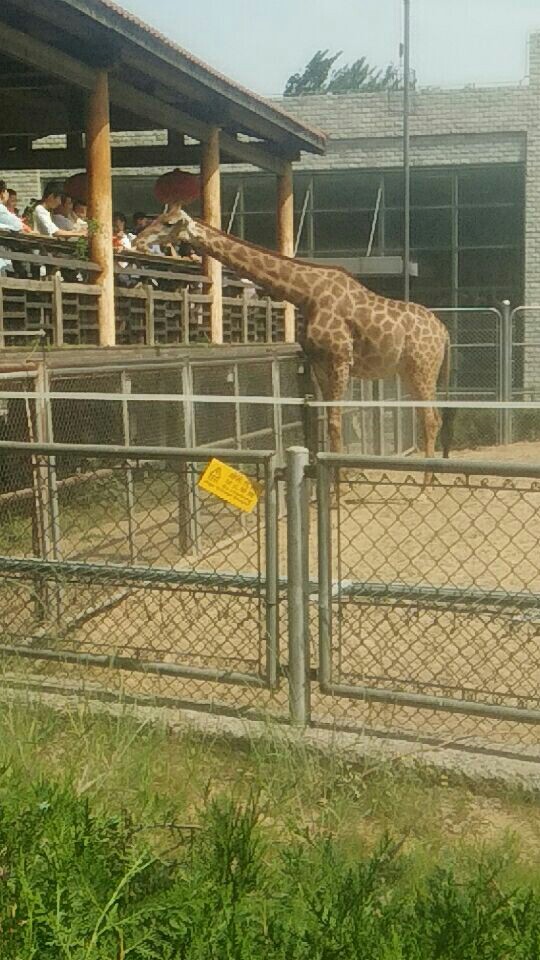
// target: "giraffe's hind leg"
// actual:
[[332, 376], [425, 389]]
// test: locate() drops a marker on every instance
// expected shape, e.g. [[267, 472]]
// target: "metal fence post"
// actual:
[[506, 371], [298, 585], [47, 485], [125, 380], [324, 543], [272, 571], [378, 419], [150, 328], [190, 435], [398, 419]]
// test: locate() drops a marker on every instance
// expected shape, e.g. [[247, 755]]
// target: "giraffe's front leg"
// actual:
[[333, 378]]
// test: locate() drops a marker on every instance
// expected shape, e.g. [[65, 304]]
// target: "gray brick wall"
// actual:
[[26, 183], [470, 110]]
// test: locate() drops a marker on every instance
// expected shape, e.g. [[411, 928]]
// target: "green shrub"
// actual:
[[81, 885]]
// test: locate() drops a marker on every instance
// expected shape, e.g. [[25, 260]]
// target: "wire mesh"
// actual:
[[477, 360], [121, 565], [431, 607], [183, 422], [524, 378]]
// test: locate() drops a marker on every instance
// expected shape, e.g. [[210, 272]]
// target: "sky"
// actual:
[[260, 43]]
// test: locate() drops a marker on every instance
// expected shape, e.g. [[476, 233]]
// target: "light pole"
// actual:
[[406, 157]]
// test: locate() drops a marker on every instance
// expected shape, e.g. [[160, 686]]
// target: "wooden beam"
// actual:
[[170, 117], [10, 82], [285, 232], [50, 60], [42, 159], [162, 114], [252, 153], [124, 95], [158, 156], [182, 75], [98, 145], [34, 114], [211, 202], [145, 156], [63, 159], [218, 106]]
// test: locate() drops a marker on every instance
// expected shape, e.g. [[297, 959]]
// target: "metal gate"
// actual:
[[107, 581], [429, 597]]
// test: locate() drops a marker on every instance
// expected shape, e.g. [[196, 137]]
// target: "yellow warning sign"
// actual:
[[230, 485]]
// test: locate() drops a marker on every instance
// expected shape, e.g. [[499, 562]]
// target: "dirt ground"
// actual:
[[483, 534]]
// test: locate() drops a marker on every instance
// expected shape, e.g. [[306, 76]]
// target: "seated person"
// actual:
[[12, 202], [140, 221], [79, 213], [8, 221], [42, 214], [64, 216], [121, 240]]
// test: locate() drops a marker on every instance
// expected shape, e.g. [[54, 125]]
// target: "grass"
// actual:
[[100, 504], [120, 839]]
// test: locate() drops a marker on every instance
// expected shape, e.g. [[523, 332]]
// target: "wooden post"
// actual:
[[98, 159], [150, 336], [2, 338], [58, 310], [285, 232], [211, 199]]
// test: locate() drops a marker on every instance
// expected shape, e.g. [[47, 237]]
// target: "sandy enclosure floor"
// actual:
[[484, 535]]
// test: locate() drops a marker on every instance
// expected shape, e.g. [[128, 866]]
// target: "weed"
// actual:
[[118, 839]]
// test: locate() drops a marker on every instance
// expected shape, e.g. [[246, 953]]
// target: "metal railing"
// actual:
[[190, 400]]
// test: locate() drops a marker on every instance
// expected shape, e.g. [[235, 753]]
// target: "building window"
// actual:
[[466, 225]]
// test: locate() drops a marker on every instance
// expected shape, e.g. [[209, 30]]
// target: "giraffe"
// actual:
[[350, 331]]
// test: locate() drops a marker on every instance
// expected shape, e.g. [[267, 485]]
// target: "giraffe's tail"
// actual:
[[448, 415]]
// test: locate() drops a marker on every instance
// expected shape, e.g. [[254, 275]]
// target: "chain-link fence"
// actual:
[[235, 401], [429, 597], [113, 573], [153, 402], [119, 574], [523, 377]]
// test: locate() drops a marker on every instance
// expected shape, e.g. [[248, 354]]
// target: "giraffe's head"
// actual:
[[185, 227], [172, 225]]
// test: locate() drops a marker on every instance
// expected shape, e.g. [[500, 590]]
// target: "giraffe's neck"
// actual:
[[283, 277]]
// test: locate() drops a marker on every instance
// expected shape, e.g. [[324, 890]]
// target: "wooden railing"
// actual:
[[52, 287]]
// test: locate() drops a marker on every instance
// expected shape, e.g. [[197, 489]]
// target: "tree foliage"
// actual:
[[320, 76]]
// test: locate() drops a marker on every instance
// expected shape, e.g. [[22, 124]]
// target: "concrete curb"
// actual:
[[475, 767]]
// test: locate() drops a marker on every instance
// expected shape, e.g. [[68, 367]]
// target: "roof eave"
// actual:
[[114, 17]]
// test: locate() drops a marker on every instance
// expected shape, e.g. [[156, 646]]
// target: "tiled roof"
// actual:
[[164, 47]]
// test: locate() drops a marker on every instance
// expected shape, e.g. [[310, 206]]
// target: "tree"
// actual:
[[320, 77]]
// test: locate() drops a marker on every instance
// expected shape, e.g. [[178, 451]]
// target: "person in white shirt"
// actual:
[[121, 240], [12, 202], [8, 221], [79, 213], [43, 221], [63, 216]]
